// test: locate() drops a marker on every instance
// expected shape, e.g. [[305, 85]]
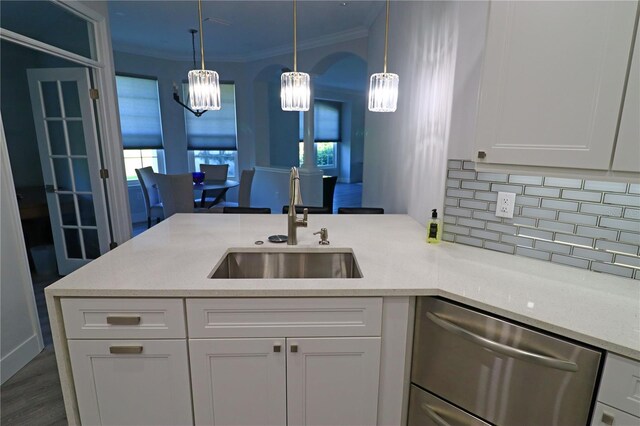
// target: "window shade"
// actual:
[[139, 112], [326, 123], [214, 130]]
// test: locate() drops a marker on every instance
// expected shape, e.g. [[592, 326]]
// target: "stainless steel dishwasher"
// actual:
[[470, 368]]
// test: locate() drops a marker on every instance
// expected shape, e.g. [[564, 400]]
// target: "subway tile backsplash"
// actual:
[[586, 224]]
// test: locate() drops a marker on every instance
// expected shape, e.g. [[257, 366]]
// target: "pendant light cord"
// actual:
[[201, 36], [295, 38], [193, 46], [386, 38]]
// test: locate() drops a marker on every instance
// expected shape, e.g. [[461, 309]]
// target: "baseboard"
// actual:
[[12, 362]]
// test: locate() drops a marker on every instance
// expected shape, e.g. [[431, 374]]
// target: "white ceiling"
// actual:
[[236, 30]]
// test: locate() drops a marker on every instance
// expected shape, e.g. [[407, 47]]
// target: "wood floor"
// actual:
[[33, 396]]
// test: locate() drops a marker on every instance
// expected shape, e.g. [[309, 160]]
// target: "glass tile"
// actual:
[[56, 138], [72, 242], [71, 99], [67, 210], [62, 174], [50, 99]]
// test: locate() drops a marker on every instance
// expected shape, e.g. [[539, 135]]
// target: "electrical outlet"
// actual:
[[505, 204]]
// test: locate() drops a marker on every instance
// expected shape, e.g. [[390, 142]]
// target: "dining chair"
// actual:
[[152, 203], [246, 210], [244, 193], [176, 193], [328, 189], [360, 210], [310, 210], [214, 172]]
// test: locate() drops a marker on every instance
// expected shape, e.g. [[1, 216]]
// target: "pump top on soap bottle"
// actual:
[[434, 228]]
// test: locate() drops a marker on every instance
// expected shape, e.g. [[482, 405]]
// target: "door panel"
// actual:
[[69, 156], [239, 382], [146, 388], [333, 381]]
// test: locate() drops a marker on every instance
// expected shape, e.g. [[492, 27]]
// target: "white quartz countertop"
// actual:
[[174, 259]]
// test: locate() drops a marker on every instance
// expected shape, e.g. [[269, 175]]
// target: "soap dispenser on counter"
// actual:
[[434, 228]]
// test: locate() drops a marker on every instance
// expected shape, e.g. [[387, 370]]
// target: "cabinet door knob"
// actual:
[[294, 348], [607, 418], [277, 347], [482, 154]]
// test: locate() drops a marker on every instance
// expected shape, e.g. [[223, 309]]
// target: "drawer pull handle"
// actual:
[[125, 349], [433, 415], [277, 347], [510, 351], [294, 348], [123, 320]]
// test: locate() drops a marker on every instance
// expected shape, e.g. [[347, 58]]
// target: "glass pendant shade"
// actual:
[[383, 92], [204, 90], [295, 92]]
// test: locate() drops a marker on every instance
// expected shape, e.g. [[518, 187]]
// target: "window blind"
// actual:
[[139, 112], [326, 123], [214, 130]]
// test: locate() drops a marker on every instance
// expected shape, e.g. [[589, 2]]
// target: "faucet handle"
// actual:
[[324, 236], [305, 215]]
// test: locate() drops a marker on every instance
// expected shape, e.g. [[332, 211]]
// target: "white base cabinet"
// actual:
[[239, 382], [123, 382], [333, 381]]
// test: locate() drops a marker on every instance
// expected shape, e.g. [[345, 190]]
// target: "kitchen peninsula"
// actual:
[[163, 277]]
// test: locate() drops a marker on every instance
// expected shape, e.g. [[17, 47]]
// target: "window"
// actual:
[[212, 137], [139, 107], [327, 119]]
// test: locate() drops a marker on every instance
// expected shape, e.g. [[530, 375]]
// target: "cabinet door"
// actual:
[[132, 383], [238, 381], [627, 155], [333, 381], [603, 415], [553, 80]]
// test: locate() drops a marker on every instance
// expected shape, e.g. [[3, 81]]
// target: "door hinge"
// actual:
[[104, 174], [94, 94], [113, 245]]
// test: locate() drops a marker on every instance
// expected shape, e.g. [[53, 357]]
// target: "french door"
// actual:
[[69, 156]]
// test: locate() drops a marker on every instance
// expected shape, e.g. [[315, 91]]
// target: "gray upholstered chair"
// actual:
[[176, 193], [213, 172], [244, 193], [152, 203]]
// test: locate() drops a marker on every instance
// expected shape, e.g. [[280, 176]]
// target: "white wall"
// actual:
[[436, 56], [20, 339]]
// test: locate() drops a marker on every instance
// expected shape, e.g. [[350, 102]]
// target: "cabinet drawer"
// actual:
[[308, 317], [620, 386], [603, 415], [123, 318]]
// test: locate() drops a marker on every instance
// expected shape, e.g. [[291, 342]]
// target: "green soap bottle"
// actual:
[[434, 228]]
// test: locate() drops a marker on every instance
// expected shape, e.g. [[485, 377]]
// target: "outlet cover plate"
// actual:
[[505, 204]]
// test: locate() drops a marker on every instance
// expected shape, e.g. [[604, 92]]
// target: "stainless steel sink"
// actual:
[[237, 264]]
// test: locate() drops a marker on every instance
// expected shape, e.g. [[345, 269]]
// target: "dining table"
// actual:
[[220, 186]]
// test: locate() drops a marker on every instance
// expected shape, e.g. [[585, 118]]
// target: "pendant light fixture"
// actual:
[[204, 85], [383, 87], [295, 91]]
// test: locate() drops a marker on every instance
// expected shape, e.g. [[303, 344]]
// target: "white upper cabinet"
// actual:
[[553, 82], [627, 156]]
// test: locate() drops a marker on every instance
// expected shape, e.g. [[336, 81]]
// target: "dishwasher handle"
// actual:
[[433, 415], [510, 351]]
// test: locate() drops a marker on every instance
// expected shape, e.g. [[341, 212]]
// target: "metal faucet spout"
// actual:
[[295, 198]]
